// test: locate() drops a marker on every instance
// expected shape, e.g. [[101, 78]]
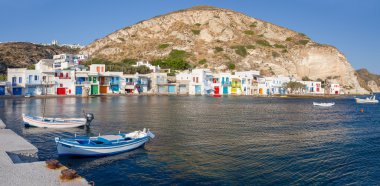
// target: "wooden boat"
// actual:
[[45, 122], [371, 99], [50, 122], [102, 145], [323, 104]]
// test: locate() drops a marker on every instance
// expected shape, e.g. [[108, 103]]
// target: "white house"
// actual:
[[147, 64], [334, 89]]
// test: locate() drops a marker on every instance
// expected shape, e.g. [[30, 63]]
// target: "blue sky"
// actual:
[[353, 26]]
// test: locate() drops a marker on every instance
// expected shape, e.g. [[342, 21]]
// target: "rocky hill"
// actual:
[[22, 54], [368, 80], [216, 38]]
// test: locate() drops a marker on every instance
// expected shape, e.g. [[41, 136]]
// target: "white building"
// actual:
[[65, 61], [313, 87], [334, 89], [147, 64]]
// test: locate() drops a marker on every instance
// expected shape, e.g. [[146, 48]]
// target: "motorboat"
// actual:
[[49, 122], [371, 99], [103, 145], [323, 104]]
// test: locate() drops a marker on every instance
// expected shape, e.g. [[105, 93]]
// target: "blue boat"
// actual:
[[103, 145]]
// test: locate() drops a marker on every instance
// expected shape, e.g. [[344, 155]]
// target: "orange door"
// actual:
[[103, 89]]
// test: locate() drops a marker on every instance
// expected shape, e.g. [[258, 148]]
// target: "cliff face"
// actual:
[[368, 80], [22, 54], [222, 37]]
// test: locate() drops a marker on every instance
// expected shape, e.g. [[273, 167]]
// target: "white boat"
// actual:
[[45, 122], [324, 104], [102, 145], [50, 122], [371, 99]]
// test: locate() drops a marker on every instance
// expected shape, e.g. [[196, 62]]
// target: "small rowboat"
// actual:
[[371, 99], [323, 104], [45, 122], [102, 145]]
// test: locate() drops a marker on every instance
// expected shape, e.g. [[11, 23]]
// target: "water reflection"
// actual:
[[228, 140]]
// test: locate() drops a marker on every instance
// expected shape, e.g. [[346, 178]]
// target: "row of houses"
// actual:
[[63, 75]]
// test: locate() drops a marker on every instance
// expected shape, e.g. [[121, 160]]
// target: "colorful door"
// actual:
[[261, 91], [225, 90], [2, 91], [78, 90], [94, 89], [103, 89], [115, 88], [17, 91], [171, 88], [31, 90], [198, 89], [216, 90], [101, 79], [61, 91]]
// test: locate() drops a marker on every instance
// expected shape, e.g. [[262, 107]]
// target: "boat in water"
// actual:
[[323, 104], [371, 99], [51, 122], [46, 122], [103, 145]]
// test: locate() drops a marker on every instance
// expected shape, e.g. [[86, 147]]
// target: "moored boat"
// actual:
[[324, 104], [45, 122], [371, 99], [103, 145]]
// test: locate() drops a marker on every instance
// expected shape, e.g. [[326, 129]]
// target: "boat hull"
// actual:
[[366, 101], [53, 122], [323, 104], [67, 149]]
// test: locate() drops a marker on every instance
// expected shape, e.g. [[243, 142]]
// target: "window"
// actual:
[[193, 79], [20, 80], [35, 78], [197, 80], [102, 69], [97, 69], [67, 74]]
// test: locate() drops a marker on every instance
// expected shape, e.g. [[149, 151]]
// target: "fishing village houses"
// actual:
[[64, 75]]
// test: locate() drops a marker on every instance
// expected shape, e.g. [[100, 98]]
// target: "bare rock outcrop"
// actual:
[[221, 37]]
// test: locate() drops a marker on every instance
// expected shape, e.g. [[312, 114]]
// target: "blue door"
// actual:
[[225, 90], [115, 88], [198, 89], [17, 91], [2, 91], [78, 90], [171, 89]]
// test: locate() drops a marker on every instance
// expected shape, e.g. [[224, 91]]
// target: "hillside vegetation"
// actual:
[[22, 54]]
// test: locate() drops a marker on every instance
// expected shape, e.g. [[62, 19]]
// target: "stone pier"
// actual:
[[19, 163]]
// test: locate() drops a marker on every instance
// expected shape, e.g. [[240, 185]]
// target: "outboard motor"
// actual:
[[89, 117]]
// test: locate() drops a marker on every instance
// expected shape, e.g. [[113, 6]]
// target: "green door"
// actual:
[[94, 89]]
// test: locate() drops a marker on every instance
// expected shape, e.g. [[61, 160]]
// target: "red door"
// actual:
[[61, 91], [216, 90]]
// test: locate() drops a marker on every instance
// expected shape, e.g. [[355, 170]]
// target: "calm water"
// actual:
[[223, 141]]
